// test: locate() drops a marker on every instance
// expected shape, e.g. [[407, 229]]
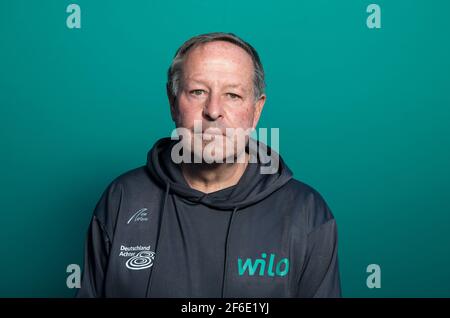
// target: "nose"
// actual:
[[213, 108]]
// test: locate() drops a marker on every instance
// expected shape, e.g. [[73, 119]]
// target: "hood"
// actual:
[[251, 188]]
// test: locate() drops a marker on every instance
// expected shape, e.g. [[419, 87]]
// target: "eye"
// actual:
[[233, 96], [197, 92]]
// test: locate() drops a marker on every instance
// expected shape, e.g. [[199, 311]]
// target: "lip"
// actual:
[[212, 131]]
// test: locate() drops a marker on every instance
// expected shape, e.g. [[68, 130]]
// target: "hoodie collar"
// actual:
[[251, 188]]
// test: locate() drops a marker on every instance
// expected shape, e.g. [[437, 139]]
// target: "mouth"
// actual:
[[212, 132]]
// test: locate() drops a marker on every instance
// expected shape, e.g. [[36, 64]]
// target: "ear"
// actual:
[[259, 104], [172, 103]]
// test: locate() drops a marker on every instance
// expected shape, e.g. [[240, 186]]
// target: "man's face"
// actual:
[[216, 90]]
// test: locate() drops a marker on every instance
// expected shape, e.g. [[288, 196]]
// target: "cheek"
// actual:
[[187, 113], [244, 118]]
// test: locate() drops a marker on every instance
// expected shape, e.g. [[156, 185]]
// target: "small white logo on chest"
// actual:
[[140, 216]]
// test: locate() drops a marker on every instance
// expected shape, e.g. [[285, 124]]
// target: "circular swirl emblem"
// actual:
[[141, 260]]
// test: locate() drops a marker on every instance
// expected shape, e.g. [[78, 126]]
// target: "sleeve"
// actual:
[[98, 242], [96, 254], [320, 275]]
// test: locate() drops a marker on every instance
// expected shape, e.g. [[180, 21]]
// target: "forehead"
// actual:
[[218, 55]]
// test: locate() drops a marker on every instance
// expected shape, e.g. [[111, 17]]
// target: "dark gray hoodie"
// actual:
[[152, 235]]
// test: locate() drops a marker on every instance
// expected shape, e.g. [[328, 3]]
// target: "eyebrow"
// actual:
[[234, 85], [227, 85]]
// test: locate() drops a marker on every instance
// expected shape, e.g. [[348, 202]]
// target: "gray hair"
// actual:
[[174, 73]]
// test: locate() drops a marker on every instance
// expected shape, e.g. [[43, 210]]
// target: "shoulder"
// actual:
[[129, 184], [133, 177], [130, 179], [309, 203]]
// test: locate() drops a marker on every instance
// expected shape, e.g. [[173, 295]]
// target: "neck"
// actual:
[[213, 177]]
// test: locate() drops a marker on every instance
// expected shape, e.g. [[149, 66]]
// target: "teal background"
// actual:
[[363, 115]]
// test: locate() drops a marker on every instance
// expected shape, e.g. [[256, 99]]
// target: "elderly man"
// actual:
[[201, 219]]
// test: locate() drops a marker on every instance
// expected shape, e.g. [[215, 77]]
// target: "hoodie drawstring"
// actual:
[[150, 279], [225, 271], [225, 267]]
